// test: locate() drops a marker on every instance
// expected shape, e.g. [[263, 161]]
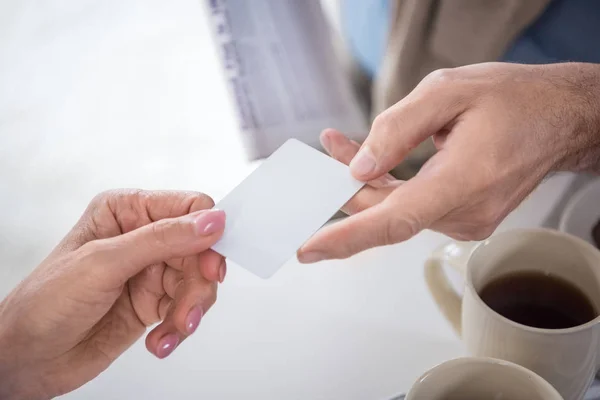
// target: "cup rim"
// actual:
[[483, 360], [574, 201], [546, 231]]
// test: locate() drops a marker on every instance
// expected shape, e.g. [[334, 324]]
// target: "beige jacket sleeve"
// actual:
[[427, 35]]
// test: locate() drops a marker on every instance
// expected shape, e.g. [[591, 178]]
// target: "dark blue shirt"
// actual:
[[568, 30]]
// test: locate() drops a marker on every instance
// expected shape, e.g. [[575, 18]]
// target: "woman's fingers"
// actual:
[[212, 265], [194, 296], [126, 255], [164, 338]]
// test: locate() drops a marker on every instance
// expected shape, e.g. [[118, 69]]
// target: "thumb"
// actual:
[[412, 207], [429, 108], [122, 257]]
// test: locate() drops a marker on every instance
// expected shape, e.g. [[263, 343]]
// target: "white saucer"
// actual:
[[582, 212]]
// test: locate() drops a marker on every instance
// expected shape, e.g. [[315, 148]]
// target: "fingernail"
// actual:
[[311, 257], [166, 345], [209, 222], [193, 319], [222, 271], [363, 163]]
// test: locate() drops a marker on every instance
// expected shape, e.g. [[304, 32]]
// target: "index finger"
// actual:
[[412, 207], [134, 208], [114, 212], [431, 106]]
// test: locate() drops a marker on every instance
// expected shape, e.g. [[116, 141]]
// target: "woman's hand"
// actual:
[[134, 259], [499, 128]]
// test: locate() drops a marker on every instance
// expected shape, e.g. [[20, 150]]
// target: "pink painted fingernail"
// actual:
[[311, 257], [209, 222], [363, 163], [167, 344], [222, 271], [193, 319]]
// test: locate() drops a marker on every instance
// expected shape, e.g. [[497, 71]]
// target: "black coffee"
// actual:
[[538, 300]]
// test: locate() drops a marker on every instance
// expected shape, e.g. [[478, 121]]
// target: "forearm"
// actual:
[[18, 380], [578, 106], [17, 389], [9, 382]]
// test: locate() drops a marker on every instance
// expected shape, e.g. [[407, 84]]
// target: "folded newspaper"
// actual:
[[282, 71]]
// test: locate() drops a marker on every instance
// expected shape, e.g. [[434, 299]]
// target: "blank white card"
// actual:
[[282, 204]]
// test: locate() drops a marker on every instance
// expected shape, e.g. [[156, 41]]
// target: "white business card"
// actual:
[[282, 204]]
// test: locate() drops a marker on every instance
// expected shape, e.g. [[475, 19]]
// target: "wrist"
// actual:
[[9, 382], [17, 378], [577, 105], [18, 382]]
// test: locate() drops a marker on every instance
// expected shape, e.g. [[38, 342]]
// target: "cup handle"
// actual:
[[456, 255]]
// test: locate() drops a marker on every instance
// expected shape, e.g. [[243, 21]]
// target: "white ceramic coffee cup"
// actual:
[[582, 212], [481, 379], [567, 358]]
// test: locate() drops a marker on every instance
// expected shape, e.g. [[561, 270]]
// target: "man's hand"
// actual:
[[134, 259], [499, 128]]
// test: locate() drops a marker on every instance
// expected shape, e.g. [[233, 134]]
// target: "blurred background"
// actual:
[[105, 94]]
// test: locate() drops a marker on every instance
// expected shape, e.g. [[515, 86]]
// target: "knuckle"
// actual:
[[399, 229], [440, 76], [475, 232], [483, 232], [389, 233], [385, 124], [99, 201], [137, 195], [385, 131], [112, 200], [166, 233], [91, 250], [463, 236], [487, 215], [102, 196], [205, 200], [88, 260], [112, 194], [159, 232]]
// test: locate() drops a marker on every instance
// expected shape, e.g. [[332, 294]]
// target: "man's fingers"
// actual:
[[409, 209], [123, 256], [338, 145], [368, 197], [433, 104], [343, 150]]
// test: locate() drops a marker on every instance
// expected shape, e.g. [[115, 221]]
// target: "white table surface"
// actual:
[[128, 93]]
